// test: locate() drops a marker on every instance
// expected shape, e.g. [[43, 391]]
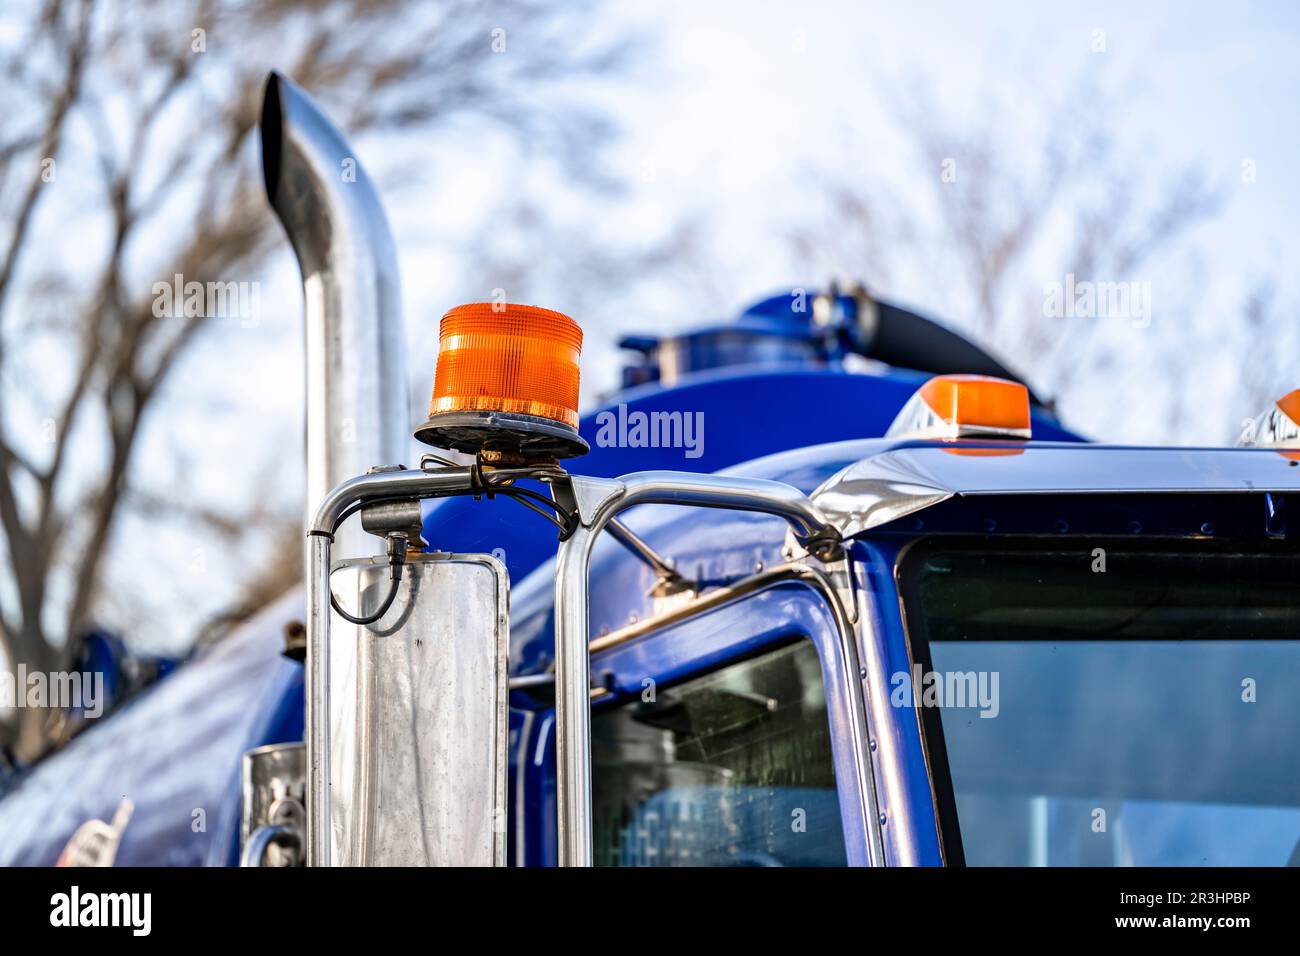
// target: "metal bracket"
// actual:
[[838, 571], [396, 517], [587, 495]]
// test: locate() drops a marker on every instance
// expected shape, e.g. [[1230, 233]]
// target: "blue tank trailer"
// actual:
[[742, 758]]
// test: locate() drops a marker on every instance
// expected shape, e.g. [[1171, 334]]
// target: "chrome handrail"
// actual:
[[600, 501]]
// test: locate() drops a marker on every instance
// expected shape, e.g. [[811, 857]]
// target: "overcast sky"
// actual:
[[744, 101]]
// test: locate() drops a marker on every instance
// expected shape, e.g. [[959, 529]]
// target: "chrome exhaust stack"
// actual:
[[406, 718], [405, 760], [357, 414]]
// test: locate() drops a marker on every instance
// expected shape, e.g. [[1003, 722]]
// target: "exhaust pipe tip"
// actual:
[[272, 132], [357, 414]]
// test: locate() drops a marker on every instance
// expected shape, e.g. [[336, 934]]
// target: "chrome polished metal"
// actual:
[[902, 480], [356, 363], [273, 788], [707, 601], [317, 725], [357, 411], [668, 580], [417, 750], [890, 768], [572, 626], [876, 491], [409, 483], [592, 494], [529, 681]]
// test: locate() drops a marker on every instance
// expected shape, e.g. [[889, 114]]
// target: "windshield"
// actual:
[[1122, 706]]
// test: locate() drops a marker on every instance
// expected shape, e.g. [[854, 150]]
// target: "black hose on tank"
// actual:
[[907, 340]]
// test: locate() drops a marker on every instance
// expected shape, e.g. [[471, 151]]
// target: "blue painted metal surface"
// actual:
[[746, 415]]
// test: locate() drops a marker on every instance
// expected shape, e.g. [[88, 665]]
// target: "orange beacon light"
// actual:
[[506, 383]]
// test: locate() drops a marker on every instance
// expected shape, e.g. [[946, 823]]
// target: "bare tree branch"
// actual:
[[1085, 209], [161, 100]]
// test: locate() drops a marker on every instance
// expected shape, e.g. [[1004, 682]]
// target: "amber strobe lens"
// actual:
[[507, 381]]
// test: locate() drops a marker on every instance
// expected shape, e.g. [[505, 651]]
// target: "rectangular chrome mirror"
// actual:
[[417, 720]]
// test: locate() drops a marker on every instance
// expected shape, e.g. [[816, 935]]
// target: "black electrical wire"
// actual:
[[383, 608], [479, 482], [566, 521], [481, 486], [536, 510], [396, 562]]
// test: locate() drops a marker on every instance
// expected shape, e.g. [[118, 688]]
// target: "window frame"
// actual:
[[778, 614]]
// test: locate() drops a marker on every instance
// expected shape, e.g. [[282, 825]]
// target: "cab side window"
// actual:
[[733, 768]]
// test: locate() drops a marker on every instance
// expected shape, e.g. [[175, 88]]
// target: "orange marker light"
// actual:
[[507, 380], [1278, 426], [1289, 404], [959, 406]]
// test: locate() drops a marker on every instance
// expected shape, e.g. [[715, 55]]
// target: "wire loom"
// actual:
[[481, 486]]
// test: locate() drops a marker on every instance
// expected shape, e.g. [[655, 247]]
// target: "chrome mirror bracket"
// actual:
[[375, 491]]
